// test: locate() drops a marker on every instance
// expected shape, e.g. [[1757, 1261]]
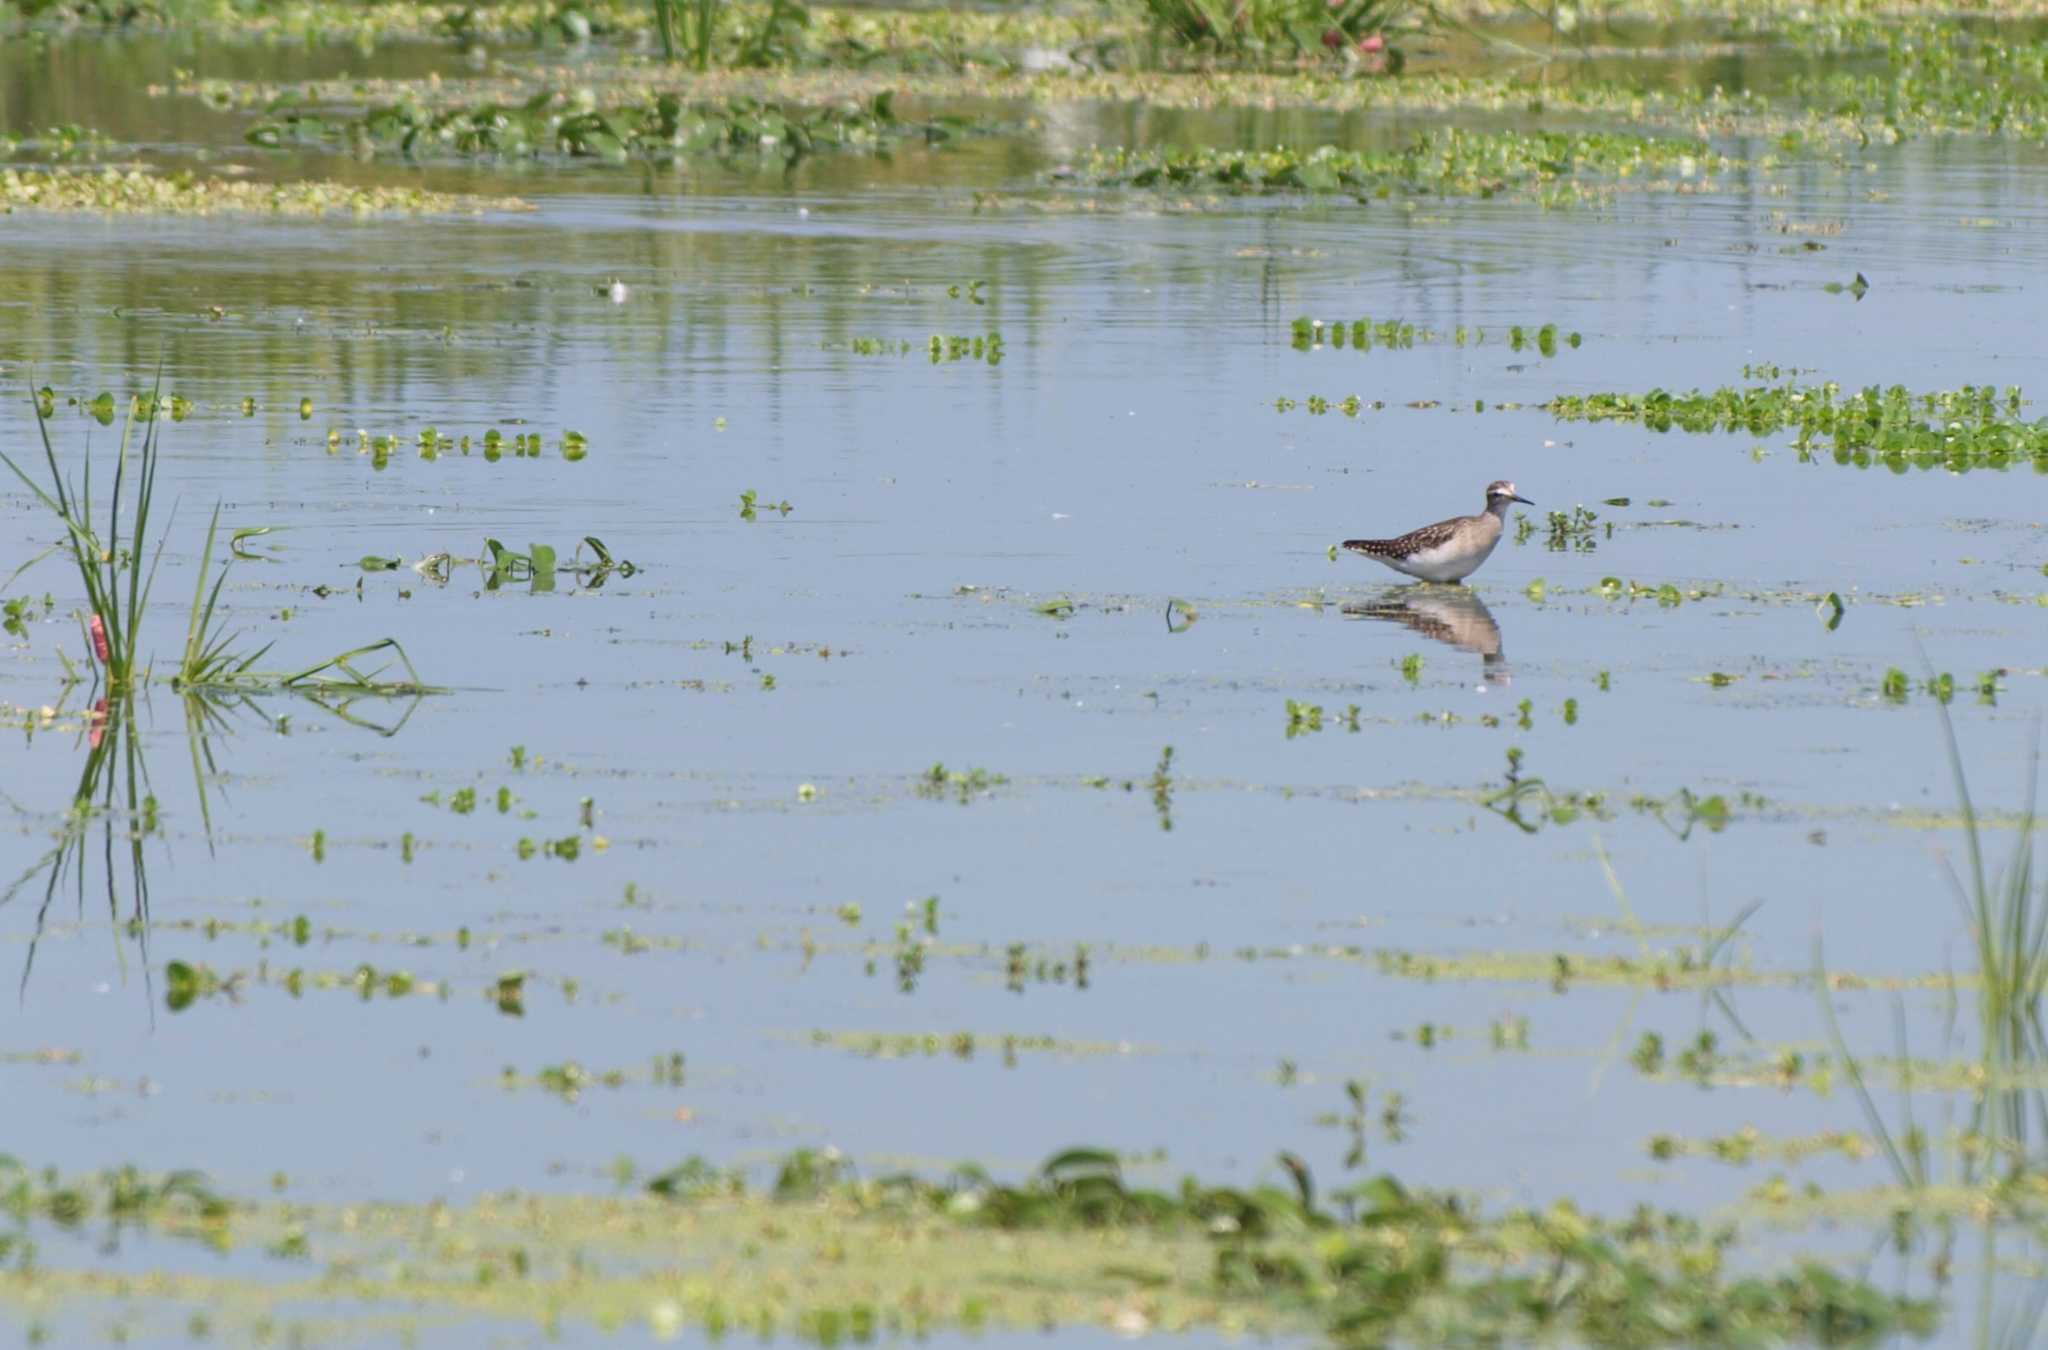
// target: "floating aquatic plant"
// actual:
[[1162, 789], [1940, 76], [1365, 334], [1973, 426], [1304, 718], [1575, 531], [538, 566], [963, 785], [663, 127], [751, 505], [60, 144], [433, 444], [1450, 162], [939, 347]]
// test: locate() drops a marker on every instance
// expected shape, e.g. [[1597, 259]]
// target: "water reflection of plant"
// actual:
[[1997, 1158], [113, 793], [116, 804], [1529, 803]]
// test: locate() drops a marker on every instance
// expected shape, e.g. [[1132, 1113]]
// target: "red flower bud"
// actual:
[[99, 641]]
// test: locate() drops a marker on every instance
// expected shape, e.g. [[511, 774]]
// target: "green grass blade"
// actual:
[[200, 618], [1907, 1177]]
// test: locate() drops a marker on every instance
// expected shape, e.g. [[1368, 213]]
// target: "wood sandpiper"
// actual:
[[1449, 550]]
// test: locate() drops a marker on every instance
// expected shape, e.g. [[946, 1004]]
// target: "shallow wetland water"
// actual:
[[1037, 778]]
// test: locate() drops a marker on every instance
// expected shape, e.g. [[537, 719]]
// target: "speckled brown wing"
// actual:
[[1415, 541]]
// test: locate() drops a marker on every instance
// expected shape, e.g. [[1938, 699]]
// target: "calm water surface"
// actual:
[[751, 715]]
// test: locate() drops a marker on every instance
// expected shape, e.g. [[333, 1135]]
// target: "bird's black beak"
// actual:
[[1523, 500]]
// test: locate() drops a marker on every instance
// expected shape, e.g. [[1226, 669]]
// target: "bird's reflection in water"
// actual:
[[1448, 614]]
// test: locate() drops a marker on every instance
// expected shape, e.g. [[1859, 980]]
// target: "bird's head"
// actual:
[[1499, 493]]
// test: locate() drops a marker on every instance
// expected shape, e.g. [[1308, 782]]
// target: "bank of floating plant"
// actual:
[[141, 192], [660, 127], [1452, 161], [1369, 1262], [1973, 426]]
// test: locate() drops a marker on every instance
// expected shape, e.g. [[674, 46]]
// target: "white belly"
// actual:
[[1445, 563]]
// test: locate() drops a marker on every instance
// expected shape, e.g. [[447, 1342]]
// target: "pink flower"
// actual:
[[99, 641], [1375, 43], [98, 718]]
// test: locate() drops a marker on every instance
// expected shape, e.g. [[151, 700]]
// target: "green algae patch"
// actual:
[[45, 1055], [133, 192], [964, 1045], [1749, 1144], [1662, 971], [825, 1255]]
